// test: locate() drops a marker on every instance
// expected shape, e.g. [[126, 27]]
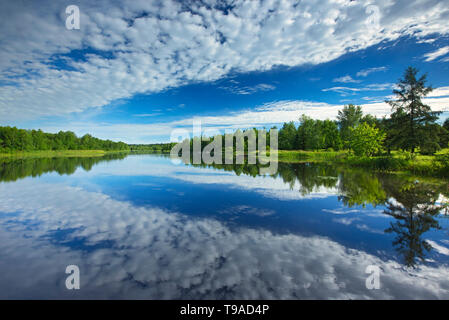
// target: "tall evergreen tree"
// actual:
[[414, 120]]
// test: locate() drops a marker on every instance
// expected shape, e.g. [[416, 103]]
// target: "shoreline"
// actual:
[[58, 153]]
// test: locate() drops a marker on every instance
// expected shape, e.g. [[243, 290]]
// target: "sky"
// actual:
[[136, 70]]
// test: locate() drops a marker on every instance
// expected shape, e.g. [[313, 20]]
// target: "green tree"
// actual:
[[309, 134], [349, 117], [413, 119], [287, 136], [444, 134], [366, 140], [331, 135]]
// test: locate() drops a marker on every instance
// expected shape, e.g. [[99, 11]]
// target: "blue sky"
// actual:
[[136, 70]]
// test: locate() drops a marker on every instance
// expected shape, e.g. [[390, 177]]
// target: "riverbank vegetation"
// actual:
[[397, 161], [15, 168], [16, 142], [410, 139], [152, 148]]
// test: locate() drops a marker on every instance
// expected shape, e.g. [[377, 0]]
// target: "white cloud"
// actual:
[[366, 72], [350, 90], [142, 47], [436, 54], [439, 248], [266, 115], [125, 251], [245, 90], [439, 92], [346, 79]]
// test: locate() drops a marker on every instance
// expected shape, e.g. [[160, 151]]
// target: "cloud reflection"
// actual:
[[125, 251]]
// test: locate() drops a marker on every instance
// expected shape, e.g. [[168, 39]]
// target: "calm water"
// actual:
[[142, 227]]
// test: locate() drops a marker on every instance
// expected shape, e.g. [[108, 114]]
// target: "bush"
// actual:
[[429, 148], [366, 140]]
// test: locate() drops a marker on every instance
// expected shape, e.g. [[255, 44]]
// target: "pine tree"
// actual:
[[414, 120]]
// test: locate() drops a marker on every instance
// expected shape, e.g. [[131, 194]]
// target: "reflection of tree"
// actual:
[[13, 169], [309, 176], [313, 176], [360, 188], [415, 210]]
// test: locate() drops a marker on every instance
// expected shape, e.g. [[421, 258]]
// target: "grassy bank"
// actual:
[[57, 153], [436, 166]]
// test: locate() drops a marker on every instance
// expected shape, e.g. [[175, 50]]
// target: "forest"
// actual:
[[412, 126], [13, 139], [152, 148]]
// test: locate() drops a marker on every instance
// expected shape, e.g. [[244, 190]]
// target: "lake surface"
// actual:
[[139, 226]]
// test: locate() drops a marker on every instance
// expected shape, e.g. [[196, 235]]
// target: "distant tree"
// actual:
[[348, 118], [371, 120], [414, 120], [24, 141], [331, 135], [13, 139], [287, 136], [366, 140], [309, 134]]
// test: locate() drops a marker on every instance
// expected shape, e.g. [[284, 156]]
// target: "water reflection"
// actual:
[[125, 251], [14, 169], [129, 244], [414, 209], [413, 204]]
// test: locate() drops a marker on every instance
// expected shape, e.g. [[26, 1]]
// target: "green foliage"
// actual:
[[349, 117], [440, 164], [13, 139], [288, 136], [361, 188], [309, 134], [317, 134], [366, 140], [156, 148]]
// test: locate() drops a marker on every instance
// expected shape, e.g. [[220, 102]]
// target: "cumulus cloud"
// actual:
[[124, 251], [138, 46]]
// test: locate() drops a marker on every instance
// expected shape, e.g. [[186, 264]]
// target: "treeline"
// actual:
[[362, 133], [14, 139], [156, 147], [412, 126]]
